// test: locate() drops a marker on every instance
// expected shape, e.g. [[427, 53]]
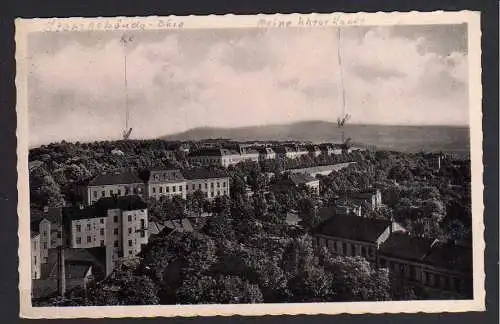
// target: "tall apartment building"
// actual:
[[118, 223], [213, 183], [114, 184], [42, 226], [167, 183]]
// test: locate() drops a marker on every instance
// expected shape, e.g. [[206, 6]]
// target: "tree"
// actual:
[[218, 290], [355, 279], [307, 212]]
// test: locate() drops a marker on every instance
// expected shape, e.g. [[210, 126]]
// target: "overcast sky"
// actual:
[[239, 77]]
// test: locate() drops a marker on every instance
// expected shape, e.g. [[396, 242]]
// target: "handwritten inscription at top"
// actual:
[[309, 22], [56, 25]]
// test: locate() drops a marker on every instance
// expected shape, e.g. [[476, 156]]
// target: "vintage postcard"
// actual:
[[250, 165]]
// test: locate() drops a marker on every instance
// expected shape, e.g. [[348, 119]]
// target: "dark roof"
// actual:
[[204, 173], [121, 202], [450, 257], [265, 150], [101, 207], [353, 227], [180, 225], [96, 257], [404, 246], [165, 175], [75, 213], [115, 178], [301, 178], [210, 151]]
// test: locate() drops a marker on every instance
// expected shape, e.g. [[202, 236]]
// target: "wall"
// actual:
[[44, 230], [159, 189], [94, 193], [209, 186], [35, 257], [88, 233], [345, 247], [131, 231]]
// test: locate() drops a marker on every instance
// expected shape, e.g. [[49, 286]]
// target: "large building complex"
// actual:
[[167, 183]]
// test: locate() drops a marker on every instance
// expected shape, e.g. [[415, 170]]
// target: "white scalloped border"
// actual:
[[25, 26]]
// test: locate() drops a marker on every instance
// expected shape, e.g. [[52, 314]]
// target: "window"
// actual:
[[143, 234], [167, 189], [115, 231], [35, 259], [194, 186], [88, 227], [224, 184], [218, 184], [206, 185], [173, 188], [143, 223], [218, 192], [89, 239], [199, 186], [115, 219], [129, 218], [161, 189], [102, 242], [119, 192], [225, 192], [129, 242], [78, 228], [180, 188], [115, 244], [44, 233], [101, 231], [78, 240], [344, 248], [103, 193], [95, 194], [129, 252], [212, 194], [211, 185], [45, 245], [127, 190], [353, 250], [101, 220], [111, 192], [130, 230], [154, 189]]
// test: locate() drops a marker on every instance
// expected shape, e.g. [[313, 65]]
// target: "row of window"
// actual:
[[89, 240], [117, 192], [342, 248]]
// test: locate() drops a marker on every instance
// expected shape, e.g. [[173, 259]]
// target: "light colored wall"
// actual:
[[205, 186], [45, 237], [94, 193], [335, 245], [167, 189], [131, 236], [35, 257], [95, 228]]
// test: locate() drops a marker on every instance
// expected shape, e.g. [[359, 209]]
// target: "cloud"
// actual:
[[231, 78]]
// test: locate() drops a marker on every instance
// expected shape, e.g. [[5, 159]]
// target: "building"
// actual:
[[354, 236], [289, 152], [266, 153], [372, 196], [314, 150], [211, 182], [167, 183], [210, 156], [329, 149], [35, 255], [42, 226], [344, 206], [299, 179], [321, 169], [440, 269], [114, 184], [118, 223]]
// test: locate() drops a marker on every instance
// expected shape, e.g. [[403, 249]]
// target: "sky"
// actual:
[[181, 79]]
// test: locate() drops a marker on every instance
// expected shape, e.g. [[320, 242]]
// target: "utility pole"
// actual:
[[61, 260]]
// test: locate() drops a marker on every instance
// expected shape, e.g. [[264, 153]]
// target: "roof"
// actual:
[[322, 168], [451, 257], [401, 245], [204, 173], [119, 202], [211, 151], [115, 178], [301, 178], [101, 207], [180, 225], [157, 176], [353, 227], [76, 261], [155, 228]]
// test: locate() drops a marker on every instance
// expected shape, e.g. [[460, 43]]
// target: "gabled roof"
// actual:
[[158, 176], [119, 202], [202, 173], [401, 245], [115, 178], [353, 227], [301, 178]]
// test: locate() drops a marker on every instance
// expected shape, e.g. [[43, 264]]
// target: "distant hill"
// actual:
[[398, 138]]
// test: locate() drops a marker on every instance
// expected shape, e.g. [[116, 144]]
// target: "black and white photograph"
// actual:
[[281, 164]]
